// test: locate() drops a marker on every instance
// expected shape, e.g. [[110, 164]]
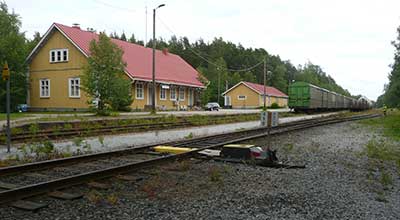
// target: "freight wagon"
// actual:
[[307, 97]]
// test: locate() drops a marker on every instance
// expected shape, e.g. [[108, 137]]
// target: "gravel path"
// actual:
[[334, 185]]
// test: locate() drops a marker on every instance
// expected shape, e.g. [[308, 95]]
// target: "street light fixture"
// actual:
[[153, 103]]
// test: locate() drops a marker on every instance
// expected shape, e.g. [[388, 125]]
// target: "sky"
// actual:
[[349, 39]]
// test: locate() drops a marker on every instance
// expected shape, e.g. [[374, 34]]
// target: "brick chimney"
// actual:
[[165, 51], [76, 25]]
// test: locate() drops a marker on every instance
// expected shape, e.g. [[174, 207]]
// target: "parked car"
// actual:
[[22, 108], [211, 106]]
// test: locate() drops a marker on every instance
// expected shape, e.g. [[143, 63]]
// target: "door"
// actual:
[[190, 97], [150, 94], [227, 101]]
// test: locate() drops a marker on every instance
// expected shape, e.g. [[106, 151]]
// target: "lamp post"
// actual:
[[153, 91], [269, 73]]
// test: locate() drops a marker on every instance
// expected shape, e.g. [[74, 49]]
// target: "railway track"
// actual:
[[23, 181], [105, 129]]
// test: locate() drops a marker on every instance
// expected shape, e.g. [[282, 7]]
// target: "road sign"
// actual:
[[6, 72], [269, 118], [263, 118]]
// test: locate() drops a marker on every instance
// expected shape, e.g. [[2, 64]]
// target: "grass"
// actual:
[[383, 154], [382, 150], [189, 136], [382, 157], [390, 124], [3, 116]]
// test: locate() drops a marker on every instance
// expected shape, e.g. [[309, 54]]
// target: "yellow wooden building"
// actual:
[[56, 65], [250, 95]]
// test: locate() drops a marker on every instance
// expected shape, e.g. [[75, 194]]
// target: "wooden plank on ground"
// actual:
[[98, 185], [28, 205], [127, 177], [7, 185], [64, 195]]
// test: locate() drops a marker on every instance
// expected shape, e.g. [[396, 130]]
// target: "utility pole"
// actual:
[[219, 85], [6, 76], [265, 79], [145, 32], [153, 91]]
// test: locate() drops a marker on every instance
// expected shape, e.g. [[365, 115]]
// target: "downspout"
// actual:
[[28, 88]]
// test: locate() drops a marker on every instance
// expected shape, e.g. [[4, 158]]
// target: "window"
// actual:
[[181, 94], [52, 56], [163, 93], [139, 91], [58, 55], [242, 97], [44, 88], [172, 93], [65, 55], [74, 87]]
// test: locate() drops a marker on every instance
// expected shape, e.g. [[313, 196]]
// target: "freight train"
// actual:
[[305, 97]]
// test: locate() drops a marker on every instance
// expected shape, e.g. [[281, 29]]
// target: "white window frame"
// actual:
[[70, 91], [41, 88], [179, 94], [51, 56], [56, 51], [161, 92], [142, 90], [172, 90], [239, 97]]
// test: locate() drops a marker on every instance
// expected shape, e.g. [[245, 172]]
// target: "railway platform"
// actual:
[[118, 141]]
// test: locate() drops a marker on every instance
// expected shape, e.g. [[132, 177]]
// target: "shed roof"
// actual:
[[170, 68]]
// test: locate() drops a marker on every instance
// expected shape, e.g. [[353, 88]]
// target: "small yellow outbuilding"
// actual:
[[250, 95]]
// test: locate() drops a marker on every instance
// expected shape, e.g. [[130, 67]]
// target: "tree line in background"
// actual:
[[391, 95], [216, 60], [14, 48]]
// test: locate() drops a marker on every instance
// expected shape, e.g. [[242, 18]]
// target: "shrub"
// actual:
[[274, 105]]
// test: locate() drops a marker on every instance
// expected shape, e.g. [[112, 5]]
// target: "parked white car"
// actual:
[[211, 106]]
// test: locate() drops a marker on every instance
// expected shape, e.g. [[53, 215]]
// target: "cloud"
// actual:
[[349, 39]]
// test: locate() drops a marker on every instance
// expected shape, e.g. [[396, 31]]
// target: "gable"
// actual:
[[40, 59], [240, 89]]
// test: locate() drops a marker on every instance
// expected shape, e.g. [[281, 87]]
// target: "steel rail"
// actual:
[[130, 150], [40, 188]]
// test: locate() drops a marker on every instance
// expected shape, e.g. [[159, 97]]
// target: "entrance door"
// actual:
[[227, 101], [190, 97], [150, 94]]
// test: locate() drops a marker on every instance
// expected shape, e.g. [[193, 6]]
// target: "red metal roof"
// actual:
[[170, 68], [271, 91]]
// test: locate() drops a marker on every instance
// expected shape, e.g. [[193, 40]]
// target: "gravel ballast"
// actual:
[[334, 185]]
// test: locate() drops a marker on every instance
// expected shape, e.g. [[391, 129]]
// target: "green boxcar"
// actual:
[[305, 96], [299, 95]]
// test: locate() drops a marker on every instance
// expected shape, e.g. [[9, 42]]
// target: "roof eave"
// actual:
[[168, 82]]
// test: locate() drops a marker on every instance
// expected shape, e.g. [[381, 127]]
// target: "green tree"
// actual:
[[277, 78], [121, 99], [123, 37], [235, 79], [132, 39], [249, 77], [392, 89], [13, 50], [103, 77]]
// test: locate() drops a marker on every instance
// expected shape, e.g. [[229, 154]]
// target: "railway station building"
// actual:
[[56, 65], [251, 95]]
